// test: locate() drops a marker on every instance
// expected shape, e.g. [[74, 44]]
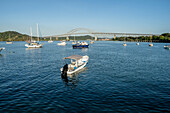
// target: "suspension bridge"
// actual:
[[96, 34]]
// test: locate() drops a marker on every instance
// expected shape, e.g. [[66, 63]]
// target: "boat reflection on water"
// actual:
[[71, 80], [84, 49], [31, 48]]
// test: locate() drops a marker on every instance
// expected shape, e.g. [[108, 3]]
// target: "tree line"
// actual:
[[165, 37]]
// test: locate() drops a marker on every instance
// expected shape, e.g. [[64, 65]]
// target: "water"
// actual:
[[117, 78]]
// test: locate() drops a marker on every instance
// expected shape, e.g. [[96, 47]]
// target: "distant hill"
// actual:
[[13, 36]]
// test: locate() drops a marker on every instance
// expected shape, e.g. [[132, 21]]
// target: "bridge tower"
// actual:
[[95, 38], [67, 38]]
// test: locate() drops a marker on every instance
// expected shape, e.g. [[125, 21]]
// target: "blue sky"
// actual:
[[60, 16]]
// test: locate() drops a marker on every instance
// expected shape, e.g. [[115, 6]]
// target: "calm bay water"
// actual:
[[117, 78]]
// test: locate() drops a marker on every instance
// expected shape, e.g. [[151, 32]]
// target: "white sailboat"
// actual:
[[137, 42], [124, 44], [9, 40], [33, 43], [74, 42], [151, 42], [50, 41], [62, 43]]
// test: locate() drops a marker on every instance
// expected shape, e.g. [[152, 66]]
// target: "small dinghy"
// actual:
[[77, 63]]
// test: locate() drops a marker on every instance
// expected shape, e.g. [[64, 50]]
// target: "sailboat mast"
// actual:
[[37, 33], [31, 33]]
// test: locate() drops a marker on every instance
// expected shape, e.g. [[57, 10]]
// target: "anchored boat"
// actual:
[[33, 43], [91, 42], [124, 44], [50, 41], [80, 45], [62, 43], [77, 63], [2, 48], [9, 40], [150, 44], [167, 47]]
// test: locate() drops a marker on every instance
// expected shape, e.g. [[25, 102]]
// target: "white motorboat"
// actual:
[[2, 48], [33, 43], [8, 42], [62, 43], [77, 63], [50, 41], [137, 43], [91, 42], [74, 42], [124, 44], [150, 44]]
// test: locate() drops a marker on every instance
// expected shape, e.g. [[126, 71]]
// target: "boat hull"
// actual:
[[50, 41], [79, 46], [85, 60], [150, 45], [61, 44], [33, 46], [8, 42], [78, 69]]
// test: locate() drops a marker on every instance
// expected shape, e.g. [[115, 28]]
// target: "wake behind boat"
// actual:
[[77, 63]]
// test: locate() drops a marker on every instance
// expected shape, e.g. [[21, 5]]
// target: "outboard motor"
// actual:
[[65, 69]]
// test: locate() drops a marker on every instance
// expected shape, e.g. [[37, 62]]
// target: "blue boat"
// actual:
[[167, 47], [80, 45]]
